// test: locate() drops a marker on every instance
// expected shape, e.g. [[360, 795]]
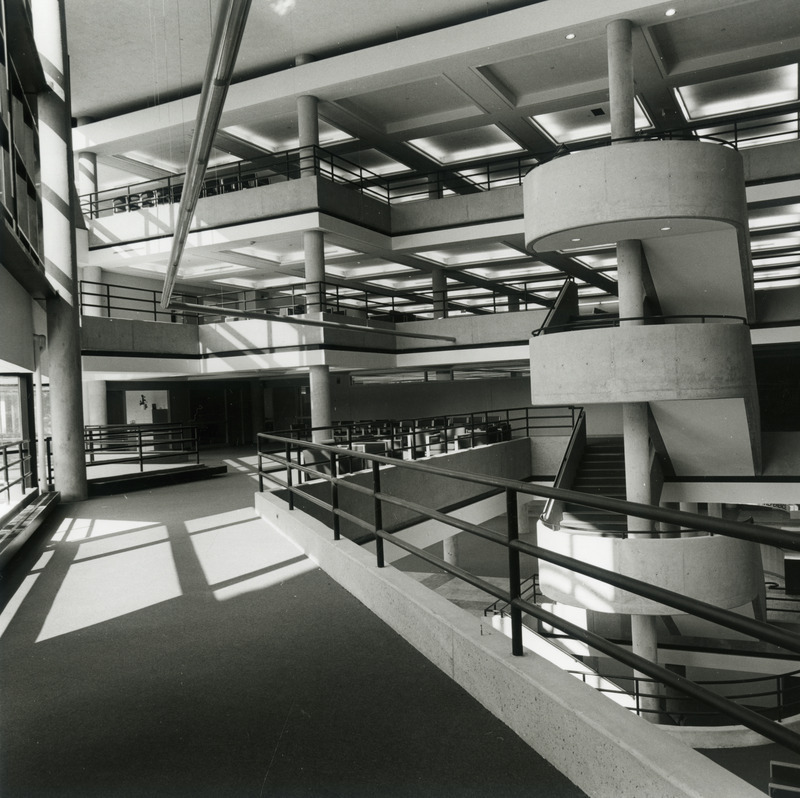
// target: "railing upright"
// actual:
[[514, 576], [335, 498], [378, 512], [290, 498]]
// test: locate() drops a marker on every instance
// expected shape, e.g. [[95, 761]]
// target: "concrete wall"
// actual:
[[499, 203], [642, 363], [264, 202], [615, 193], [426, 399], [495, 328], [689, 566], [133, 335]]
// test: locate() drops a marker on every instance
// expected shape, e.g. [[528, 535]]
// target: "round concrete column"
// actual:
[[307, 124], [645, 644], [689, 507], [319, 386], [59, 248], [620, 78], [87, 177], [314, 251], [629, 281], [439, 291], [450, 547], [644, 640], [95, 407]]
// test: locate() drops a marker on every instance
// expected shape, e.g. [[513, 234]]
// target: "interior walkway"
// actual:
[[163, 643]]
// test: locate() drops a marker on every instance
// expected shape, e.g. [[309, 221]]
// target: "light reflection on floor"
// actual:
[[117, 567]]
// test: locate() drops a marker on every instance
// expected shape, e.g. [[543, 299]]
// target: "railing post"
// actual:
[[514, 587], [141, 448], [335, 497], [378, 511], [289, 475], [6, 476]]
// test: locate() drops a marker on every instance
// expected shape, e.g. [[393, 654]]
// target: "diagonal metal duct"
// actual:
[[219, 71], [216, 80]]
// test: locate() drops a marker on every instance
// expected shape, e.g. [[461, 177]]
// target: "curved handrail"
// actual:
[[778, 692], [600, 320]]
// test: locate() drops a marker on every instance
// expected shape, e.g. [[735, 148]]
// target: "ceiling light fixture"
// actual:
[[670, 12], [569, 37], [574, 239], [664, 229]]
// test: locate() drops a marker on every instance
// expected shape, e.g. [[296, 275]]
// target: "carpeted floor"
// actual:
[[162, 643]]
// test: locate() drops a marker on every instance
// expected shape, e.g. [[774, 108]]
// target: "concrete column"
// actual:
[[629, 279], [621, 90], [87, 177], [59, 247], [689, 507], [95, 406], [715, 509], [439, 291], [450, 549], [645, 644], [644, 640], [319, 381], [314, 250], [307, 124]]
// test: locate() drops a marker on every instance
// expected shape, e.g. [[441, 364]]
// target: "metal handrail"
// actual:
[[510, 540], [779, 707], [481, 426], [602, 320], [16, 469], [474, 176], [115, 300], [118, 444]]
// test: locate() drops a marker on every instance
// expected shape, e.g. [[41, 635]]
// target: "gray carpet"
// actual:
[[167, 646]]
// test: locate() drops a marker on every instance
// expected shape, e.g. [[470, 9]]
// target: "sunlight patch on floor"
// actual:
[[71, 530], [106, 587], [276, 576], [238, 546]]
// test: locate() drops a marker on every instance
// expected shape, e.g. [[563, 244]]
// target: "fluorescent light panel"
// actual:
[[583, 124], [467, 145], [763, 89]]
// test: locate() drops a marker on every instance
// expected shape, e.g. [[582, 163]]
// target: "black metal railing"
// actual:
[[774, 696], [16, 472], [284, 452], [141, 444], [609, 320], [415, 438], [746, 130], [117, 301]]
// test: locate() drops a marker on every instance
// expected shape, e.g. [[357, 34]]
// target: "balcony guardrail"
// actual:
[[284, 453], [411, 439], [747, 130], [608, 320], [773, 696], [117, 301], [140, 444]]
